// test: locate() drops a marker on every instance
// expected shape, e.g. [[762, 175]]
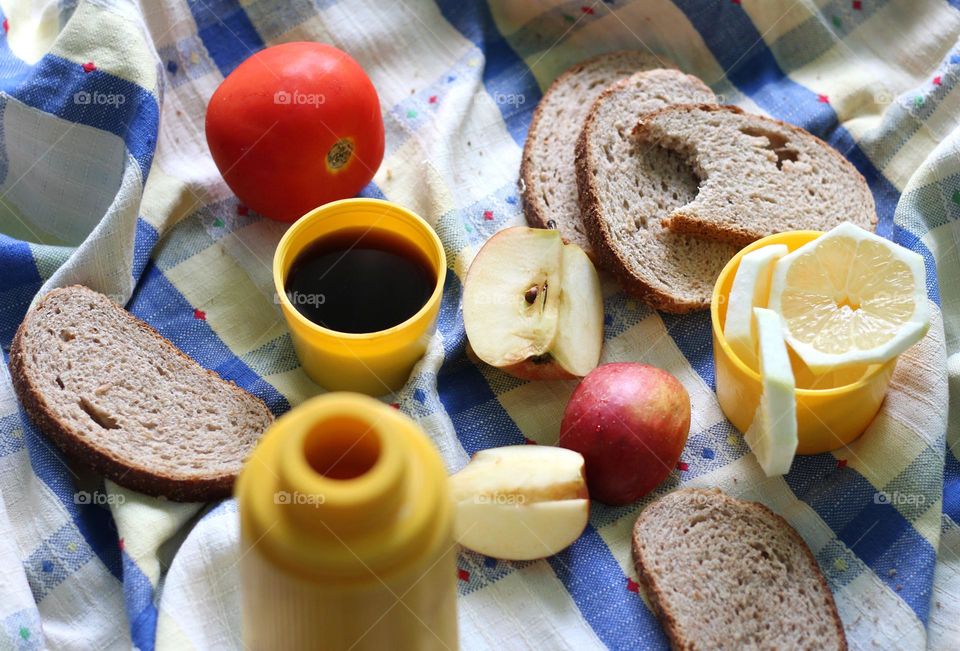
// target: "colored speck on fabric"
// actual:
[[587, 10], [89, 66], [841, 464], [468, 227], [837, 22], [121, 544], [47, 566], [463, 575], [736, 2], [682, 466], [840, 565], [568, 18], [451, 79], [433, 99], [218, 222], [419, 396], [938, 80], [512, 200], [857, 5], [956, 197], [732, 440], [823, 99], [955, 59], [411, 114], [527, 441], [708, 453], [918, 101], [395, 405], [633, 586], [72, 547], [488, 214], [490, 562], [24, 633], [6, 25], [172, 67], [202, 316]]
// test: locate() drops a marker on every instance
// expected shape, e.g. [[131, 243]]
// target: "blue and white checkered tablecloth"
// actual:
[[106, 180]]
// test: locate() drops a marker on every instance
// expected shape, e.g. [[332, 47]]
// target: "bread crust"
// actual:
[[608, 256], [531, 208], [536, 217], [668, 620], [125, 472], [685, 223]]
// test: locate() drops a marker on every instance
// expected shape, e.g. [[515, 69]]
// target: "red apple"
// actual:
[[630, 422]]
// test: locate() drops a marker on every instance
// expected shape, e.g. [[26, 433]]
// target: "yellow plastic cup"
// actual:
[[346, 530], [374, 363], [827, 418]]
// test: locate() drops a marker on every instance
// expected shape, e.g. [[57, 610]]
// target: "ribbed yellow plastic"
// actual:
[[346, 532]]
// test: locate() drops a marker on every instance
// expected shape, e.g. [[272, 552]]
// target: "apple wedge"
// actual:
[[533, 307], [520, 502]]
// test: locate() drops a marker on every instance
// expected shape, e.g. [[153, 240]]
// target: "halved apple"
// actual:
[[520, 502], [533, 307]]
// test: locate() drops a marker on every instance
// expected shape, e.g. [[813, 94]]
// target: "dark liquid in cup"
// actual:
[[357, 280]]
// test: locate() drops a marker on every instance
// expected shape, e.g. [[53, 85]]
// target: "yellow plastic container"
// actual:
[[827, 418], [374, 363], [346, 532]]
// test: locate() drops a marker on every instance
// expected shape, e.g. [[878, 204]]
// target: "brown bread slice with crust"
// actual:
[[725, 573], [626, 188], [118, 397], [758, 176], [548, 186]]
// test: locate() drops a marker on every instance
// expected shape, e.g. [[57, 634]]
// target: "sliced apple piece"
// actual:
[[580, 323], [751, 287], [773, 434], [520, 502], [521, 533], [533, 307]]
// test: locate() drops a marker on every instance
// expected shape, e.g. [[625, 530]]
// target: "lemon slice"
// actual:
[[750, 289], [773, 433], [850, 298]]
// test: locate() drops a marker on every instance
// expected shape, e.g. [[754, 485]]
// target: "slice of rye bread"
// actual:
[[758, 176], [115, 395], [625, 188], [548, 186], [724, 573]]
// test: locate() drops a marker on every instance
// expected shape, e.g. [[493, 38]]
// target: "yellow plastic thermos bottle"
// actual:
[[346, 532]]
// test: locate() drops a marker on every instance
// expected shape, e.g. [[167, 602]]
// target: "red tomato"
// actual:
[[295, 126]]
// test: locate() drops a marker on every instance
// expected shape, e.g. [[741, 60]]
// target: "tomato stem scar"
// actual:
[[340, 155]]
